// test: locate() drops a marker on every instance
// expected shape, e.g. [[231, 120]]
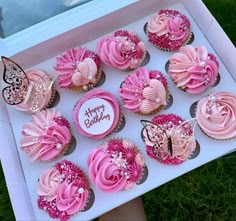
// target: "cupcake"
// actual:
[[79, 69], [169, 139], [168, 30], [28, 91], [216, 115], [144, 92], [193, 69], [97, 114], [122, 50], [63, 190], [115, 165], [47, 136]]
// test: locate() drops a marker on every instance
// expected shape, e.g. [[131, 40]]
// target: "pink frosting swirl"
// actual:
[[144, 91], [122, 50], [44, 97], [71, 198], [104, 95], [63, 190], [216, 115], [193, 69], [115, 166], [78, 67], [157, 134], [48, 184], [46, 136], [168, 29]]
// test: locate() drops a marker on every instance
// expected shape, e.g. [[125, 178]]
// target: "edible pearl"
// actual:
[[202, 63], [158, 100], [90, 77], [81, 190], [58, 146], [213, 98], [85, 88]]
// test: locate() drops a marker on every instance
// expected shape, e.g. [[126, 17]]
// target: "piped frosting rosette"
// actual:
[[168, 30], [144, 92], [116, 165], [79, 69], [122, 50], [216, 115], [193, 69], [63, 190], [169, 139], [47, 135]]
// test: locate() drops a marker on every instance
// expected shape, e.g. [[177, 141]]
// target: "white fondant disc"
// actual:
[[96, 116]]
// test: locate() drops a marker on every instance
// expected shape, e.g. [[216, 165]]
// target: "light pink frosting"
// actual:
[[102, 94], [216, 115], [166, 127], [116, 165], [63, 190], [144, 91], [48, 184], [43, 97], [46, 136], [193, 69], [168, 29], [122, 50], [77, 67]]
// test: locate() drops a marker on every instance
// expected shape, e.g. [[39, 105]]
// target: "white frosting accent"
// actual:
[[96, 116]]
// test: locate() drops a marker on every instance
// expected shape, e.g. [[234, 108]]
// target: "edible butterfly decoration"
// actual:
[[20, 89], [155, 136]]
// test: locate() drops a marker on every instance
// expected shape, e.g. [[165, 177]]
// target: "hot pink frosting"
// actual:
[[116, 165], [63, 190], [122, 50], [144, 91], [43, 97], [77, 67], [168, 29], [156, 135], [104, 95], [193, 69], [46, 136], [216, 115]]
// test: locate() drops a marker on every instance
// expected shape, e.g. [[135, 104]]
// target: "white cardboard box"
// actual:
[[37, 47]]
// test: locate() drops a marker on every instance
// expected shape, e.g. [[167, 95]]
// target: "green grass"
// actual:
[[205, 194]]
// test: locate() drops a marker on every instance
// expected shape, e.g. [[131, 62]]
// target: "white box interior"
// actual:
[[22, 183]]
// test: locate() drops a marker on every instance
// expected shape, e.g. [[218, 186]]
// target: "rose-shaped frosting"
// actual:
[[216, 115], [168, 29], [123, 50], [106, 96], [169, 140], [71, 198], [46, 136], [36, 77], [63, 190], [115, 166], [144, 91], [193, 69], [48, 184], [78, 67]]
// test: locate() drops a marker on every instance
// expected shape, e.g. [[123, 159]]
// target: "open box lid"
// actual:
[[27, 50]]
